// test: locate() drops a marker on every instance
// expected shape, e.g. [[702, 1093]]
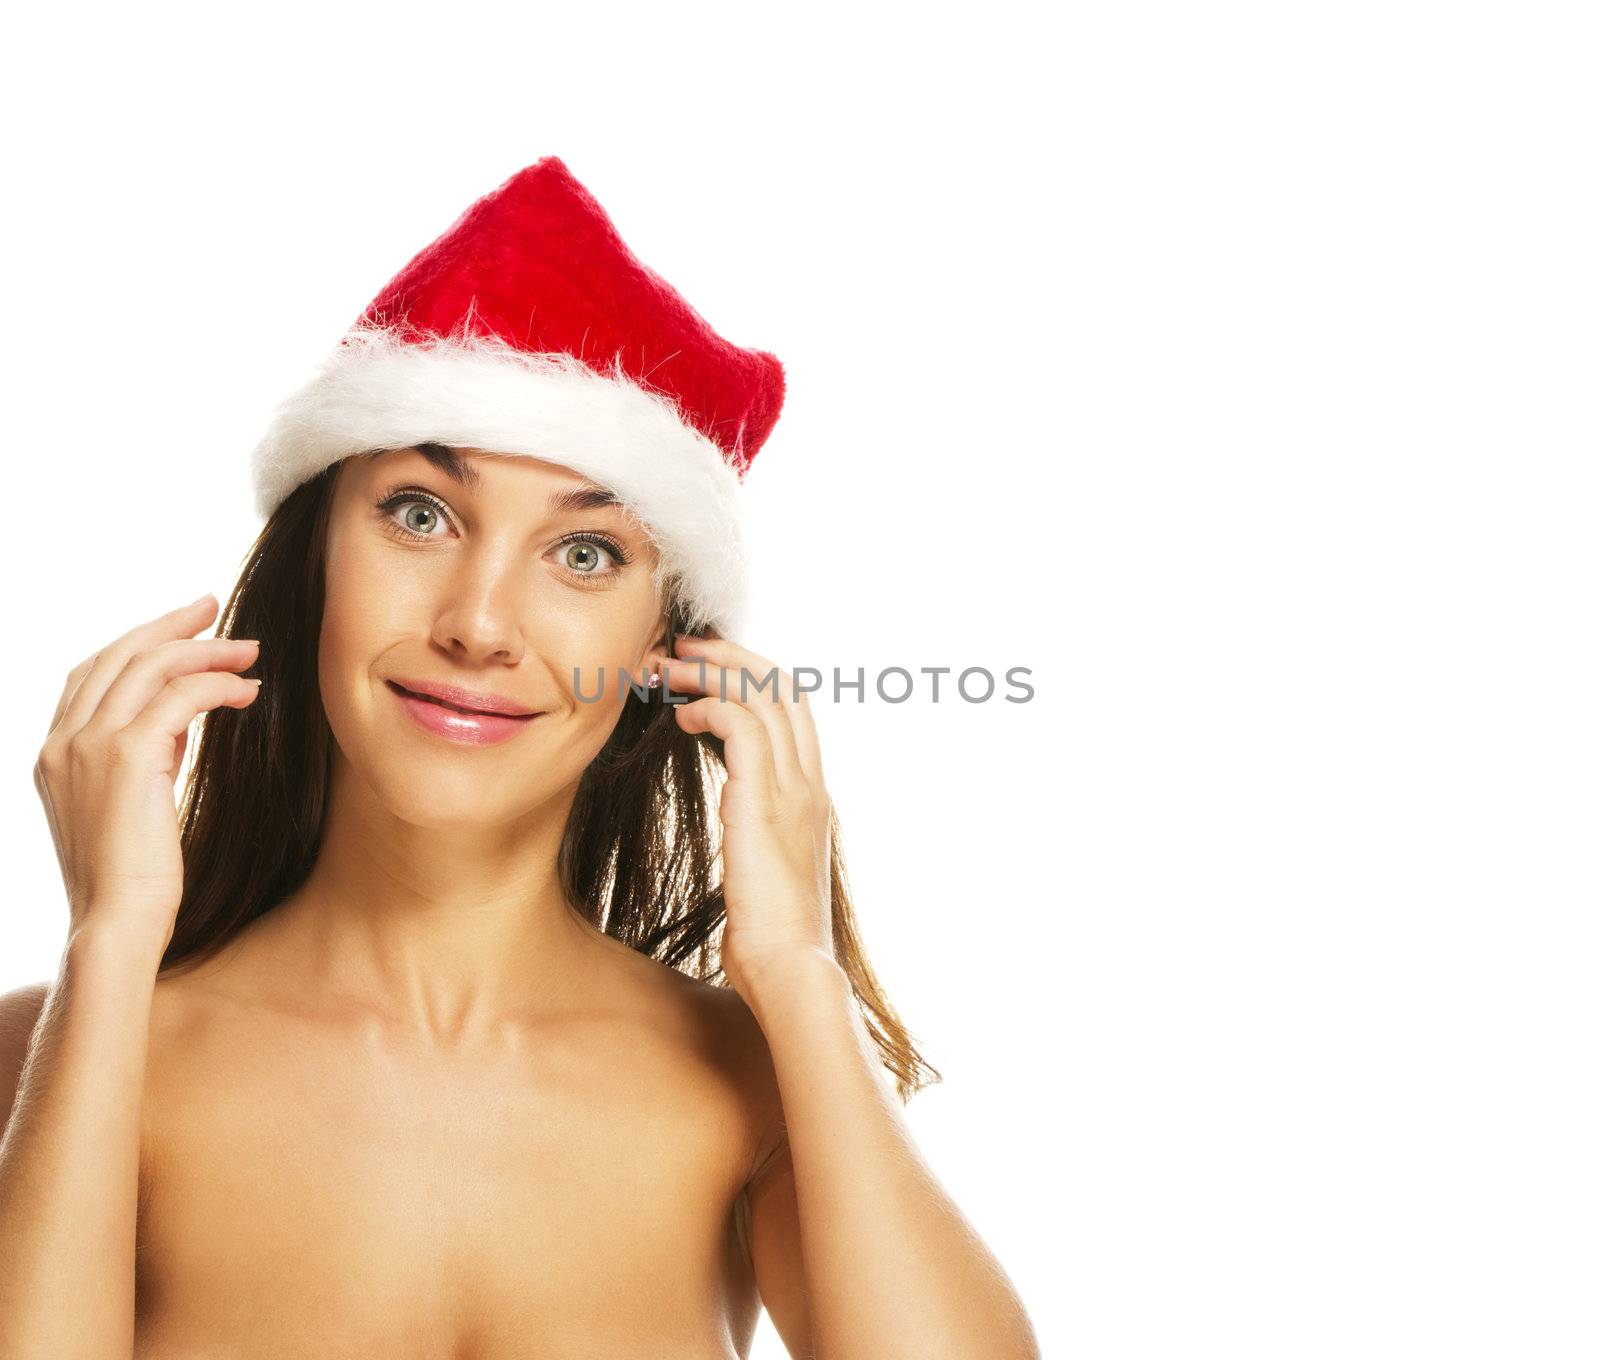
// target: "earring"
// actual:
[[655, 680]]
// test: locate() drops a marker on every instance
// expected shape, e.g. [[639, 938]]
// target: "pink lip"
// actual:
[[470, 729], [452, 697]]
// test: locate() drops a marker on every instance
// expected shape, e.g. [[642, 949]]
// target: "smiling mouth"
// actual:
[[456, 708]]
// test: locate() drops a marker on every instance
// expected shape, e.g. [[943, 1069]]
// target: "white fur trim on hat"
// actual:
[[378, 391]]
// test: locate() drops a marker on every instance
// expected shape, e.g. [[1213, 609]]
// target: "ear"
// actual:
[[663, 633]]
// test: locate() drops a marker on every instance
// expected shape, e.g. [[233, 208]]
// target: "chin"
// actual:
[[450, 793]]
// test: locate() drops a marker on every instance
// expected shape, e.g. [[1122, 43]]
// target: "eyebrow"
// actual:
[[463, 473]]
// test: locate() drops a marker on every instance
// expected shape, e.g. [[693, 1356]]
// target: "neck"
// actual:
[[448, 933]]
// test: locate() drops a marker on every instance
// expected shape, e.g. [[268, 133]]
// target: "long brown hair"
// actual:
[[640, 846]]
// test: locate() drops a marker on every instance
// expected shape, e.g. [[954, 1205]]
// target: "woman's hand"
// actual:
[[775, 811], [106, 771]]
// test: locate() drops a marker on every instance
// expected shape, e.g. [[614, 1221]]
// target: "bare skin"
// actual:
[[565, 1183], [422, 1108], [312, 1181]]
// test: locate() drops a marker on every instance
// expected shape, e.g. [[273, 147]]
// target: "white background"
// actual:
[[1231, 366]]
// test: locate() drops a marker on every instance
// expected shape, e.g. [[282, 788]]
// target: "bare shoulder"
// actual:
[[715, 1020], [20, 1009], [19, 1015], [714, 1029]]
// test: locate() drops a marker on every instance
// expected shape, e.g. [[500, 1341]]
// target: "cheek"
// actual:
[[590, 678], [361, 604], [600, 645]]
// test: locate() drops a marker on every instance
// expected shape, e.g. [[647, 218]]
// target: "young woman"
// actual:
[[486, 996]]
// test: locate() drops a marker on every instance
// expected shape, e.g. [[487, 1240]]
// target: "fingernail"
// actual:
[[202, 599]]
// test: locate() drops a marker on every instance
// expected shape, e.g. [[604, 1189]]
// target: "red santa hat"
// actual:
[[530, 328]]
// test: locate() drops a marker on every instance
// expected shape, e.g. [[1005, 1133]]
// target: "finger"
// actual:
[[734, 670], [806, 740], [701, 677], [802, 716], [747, 751], [74, 679], [104, 666], [168, 716], [149, 671]]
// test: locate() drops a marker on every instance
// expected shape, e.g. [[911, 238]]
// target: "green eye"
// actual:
[[584, 557], [423, 514], [582, 553]]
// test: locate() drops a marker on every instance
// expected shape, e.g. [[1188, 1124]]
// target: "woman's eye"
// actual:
[[584, 558], [417, 517], [413, 516]]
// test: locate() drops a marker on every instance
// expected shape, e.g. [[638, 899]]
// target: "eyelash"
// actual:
[[406, 495]]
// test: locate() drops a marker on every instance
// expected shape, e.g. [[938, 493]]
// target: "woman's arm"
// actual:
[[69, 1157], [69, 1160], [890, 1267]]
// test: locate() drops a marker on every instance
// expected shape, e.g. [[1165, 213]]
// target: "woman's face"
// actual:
[[487, 587]]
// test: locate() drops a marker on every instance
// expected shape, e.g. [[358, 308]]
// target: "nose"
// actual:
[[478, 620]]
